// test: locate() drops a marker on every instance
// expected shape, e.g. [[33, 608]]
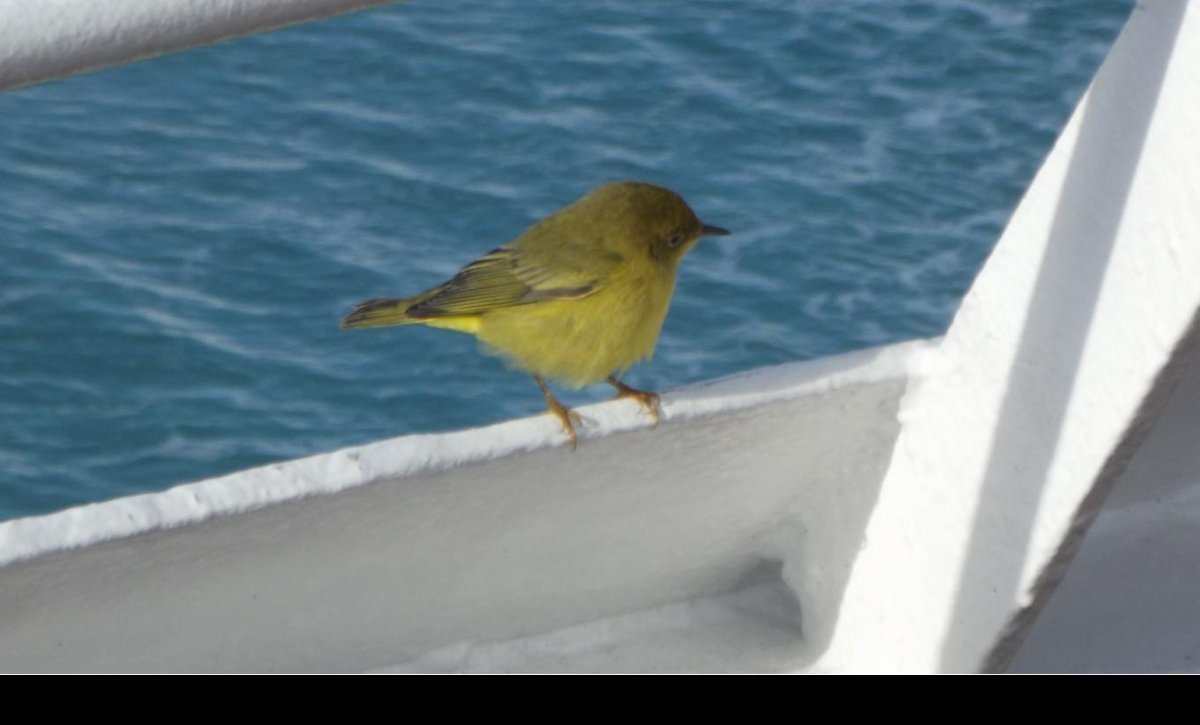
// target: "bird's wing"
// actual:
[[515, 275]]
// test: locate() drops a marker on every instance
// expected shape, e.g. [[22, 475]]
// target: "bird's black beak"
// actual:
[[708, 230]]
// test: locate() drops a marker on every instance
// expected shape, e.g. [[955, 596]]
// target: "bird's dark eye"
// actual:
[[675, 240]]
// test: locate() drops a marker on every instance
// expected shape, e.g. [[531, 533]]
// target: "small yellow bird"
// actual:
[[579, 297]]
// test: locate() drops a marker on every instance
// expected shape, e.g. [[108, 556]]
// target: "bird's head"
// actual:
[[645, 218]]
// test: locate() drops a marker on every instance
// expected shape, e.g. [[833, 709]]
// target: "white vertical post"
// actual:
[[1062, 346]]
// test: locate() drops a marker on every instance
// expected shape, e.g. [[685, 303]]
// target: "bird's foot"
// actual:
[[567, 417], [648, 400]]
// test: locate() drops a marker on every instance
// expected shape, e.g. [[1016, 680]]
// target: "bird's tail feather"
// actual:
[[380, 312]]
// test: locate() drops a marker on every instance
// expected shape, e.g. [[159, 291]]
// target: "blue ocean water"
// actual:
[[180, 236]]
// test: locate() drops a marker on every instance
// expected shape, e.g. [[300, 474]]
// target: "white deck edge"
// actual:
[[413, 455]]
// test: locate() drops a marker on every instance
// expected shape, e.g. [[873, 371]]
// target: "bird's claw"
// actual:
[[568, 419], [651, 401]]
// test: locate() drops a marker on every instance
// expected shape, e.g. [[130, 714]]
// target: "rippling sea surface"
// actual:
[[180, 237]]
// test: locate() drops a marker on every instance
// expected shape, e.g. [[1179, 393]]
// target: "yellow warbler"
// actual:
[[578, 297]]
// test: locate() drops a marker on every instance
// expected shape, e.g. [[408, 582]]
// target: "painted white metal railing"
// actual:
[[41, 40]]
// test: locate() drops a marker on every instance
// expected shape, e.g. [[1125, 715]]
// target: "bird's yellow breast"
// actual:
[[584, 340]]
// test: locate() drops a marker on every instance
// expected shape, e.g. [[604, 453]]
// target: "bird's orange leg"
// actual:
[[565, 415], [650, 401]]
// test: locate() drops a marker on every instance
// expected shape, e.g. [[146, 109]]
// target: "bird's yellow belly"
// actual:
[[582, 341]]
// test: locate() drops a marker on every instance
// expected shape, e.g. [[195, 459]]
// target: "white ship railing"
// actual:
[[41, 40]]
